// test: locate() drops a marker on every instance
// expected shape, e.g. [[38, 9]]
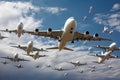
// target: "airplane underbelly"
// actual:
[[67, 36], [19, 33]]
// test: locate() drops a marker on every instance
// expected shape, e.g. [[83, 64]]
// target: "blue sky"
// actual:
[[54, 13]]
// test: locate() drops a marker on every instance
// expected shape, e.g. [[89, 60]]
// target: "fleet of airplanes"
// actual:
[[63, 36]]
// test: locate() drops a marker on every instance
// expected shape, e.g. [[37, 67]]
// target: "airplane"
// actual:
[[60, 69], [29, 48], [90, 9], [4, 62], [107, 31], [19, 31], [111, 47], [77, 63], [67, 34], [2, 37], [36, 55], [84, 18], [103, 57], [15, 58], [19, 66]]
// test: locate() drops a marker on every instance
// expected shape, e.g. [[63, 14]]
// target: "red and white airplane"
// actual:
[[65, 35]]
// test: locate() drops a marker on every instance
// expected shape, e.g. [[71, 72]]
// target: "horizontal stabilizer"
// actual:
[[65, 48]]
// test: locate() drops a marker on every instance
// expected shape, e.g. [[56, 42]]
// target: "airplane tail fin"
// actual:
[[65, 48]]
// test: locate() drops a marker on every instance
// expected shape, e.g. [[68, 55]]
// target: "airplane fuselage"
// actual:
[[36, 55], [15, 58], [112, 46], [68, 32], [29, 47], [20, 29], [106, 56]]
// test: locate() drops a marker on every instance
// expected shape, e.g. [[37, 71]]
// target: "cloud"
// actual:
[[53, 10], [110, 19], [116, 7]]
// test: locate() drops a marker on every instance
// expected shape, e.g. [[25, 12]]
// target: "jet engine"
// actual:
[[86, 33], [49, 30], [36, 30], [96, 35]]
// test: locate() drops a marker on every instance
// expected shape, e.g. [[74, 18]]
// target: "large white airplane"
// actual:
[[29, 48], [19, 31], [111, 47], [103, 57], [67, 34], [2, 37], [15, 58]]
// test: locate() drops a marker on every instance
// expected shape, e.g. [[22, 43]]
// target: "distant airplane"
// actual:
[[15, 58], [84, 18], [90, 9], [60, 69], [65, 35], [19, 66], [2, 37], [107, 30], [103, 54], [19, 31], [77, 63], [103, 57], [4, 62], [29, 48], [36, 55], [111, 47]]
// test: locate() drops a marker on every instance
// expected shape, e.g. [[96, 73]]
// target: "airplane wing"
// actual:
[[81, 36], [19, 59], [54, 34], [113, 56], [116, 48], [97, 55], [2, 37], [10, 31], [102, 47], [20, 47], [58, 33], [8, 58], [36, 49]]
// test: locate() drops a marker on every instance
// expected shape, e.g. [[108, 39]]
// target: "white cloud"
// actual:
[[12, 13], [110, 19], [116, 7], [53, 10]]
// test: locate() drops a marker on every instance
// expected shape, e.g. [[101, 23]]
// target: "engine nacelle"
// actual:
[[96, 35], [19, 46], [49, 30], [86, 33], [36, 30], [6, 29]]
